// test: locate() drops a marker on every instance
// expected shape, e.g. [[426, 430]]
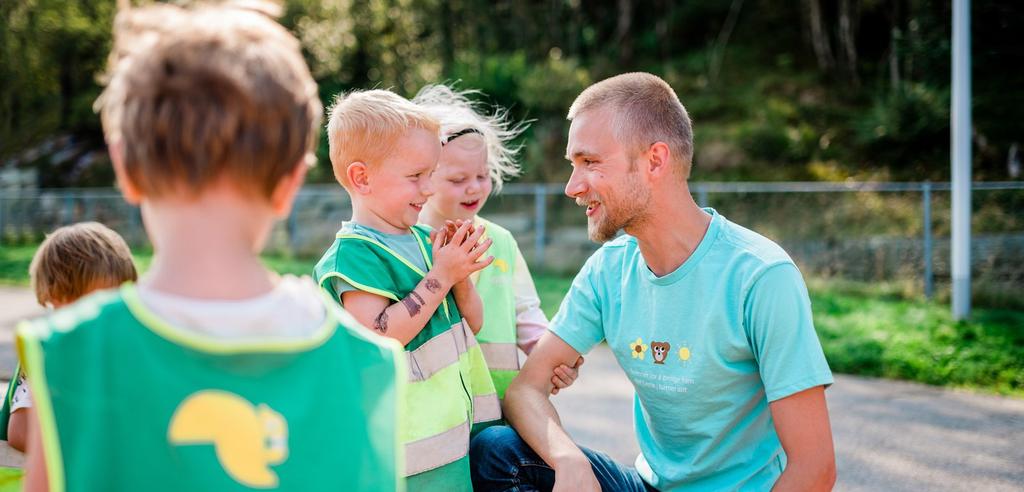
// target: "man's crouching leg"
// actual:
[[501, 461]]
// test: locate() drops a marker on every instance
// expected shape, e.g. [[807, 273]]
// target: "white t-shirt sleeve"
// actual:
[[22, 397], [531, 322]]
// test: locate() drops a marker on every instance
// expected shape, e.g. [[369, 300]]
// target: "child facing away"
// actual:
[[72, 262], [407, 284], [213, 373], [476, 157]]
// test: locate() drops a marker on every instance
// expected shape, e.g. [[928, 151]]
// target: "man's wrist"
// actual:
[[573, 459]]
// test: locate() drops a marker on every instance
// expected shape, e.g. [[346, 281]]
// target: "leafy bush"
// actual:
[[907, 128]]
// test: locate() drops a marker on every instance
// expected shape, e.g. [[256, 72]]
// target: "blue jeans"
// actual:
[[501, 461]]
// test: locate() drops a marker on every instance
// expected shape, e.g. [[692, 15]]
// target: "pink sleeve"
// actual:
[[531, 322]]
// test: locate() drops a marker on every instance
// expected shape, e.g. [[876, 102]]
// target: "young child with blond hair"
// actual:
[[213, 373], [477, 157], [72, 261], [409, 284]]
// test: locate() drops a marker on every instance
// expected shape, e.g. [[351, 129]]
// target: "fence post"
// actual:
[[67, 213], [136, 220], [702, 195], [540, 222], [929, 286], [3, 214], [293, 224]]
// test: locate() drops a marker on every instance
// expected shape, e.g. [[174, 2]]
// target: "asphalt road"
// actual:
[[888, 435]]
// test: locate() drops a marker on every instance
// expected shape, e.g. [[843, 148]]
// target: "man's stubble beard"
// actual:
[[625, 213]]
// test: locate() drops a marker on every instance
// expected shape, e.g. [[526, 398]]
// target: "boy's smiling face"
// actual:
[[400, 184]]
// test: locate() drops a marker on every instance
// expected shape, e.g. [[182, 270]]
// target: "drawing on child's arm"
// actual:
[[412, 303], [381, 323]]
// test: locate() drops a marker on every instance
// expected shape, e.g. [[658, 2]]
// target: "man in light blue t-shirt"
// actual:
[[710, 321]]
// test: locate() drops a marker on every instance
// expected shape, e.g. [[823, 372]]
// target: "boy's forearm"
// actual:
[[17, 429], [36, 478], [405, 319], [471, 306]]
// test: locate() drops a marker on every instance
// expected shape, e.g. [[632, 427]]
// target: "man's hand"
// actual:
[[456, 259], [565, 375], [575, 475]]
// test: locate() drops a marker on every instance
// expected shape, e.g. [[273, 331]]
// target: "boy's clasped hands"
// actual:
[[458, 250]]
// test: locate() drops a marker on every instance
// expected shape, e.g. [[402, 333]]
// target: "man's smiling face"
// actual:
[[605, 176]]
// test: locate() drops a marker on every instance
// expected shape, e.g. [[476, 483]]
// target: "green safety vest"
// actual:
[[126, 401], [497, 290], [450, 393], [10, 478], [5, 411]]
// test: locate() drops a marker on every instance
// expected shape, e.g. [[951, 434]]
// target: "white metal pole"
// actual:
[[960, 153]]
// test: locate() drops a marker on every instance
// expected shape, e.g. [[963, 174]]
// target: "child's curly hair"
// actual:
[[456, 112]]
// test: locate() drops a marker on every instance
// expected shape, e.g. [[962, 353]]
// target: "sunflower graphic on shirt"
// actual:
[[638, 349]]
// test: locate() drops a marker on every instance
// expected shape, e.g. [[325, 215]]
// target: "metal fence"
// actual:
[[862, 231]]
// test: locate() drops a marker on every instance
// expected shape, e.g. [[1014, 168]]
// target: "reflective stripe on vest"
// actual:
[[430, 367], [440, 352], [437, 450], [501, 356], [486, 408]]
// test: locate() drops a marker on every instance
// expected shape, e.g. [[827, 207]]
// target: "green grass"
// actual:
[[14, 261], [866, 329]]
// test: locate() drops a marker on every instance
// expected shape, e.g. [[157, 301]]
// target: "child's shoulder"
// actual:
[[105, 308], [358, 260], [348, 248]]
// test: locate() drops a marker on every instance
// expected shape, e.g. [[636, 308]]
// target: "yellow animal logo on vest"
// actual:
[[248, 439], [501, 264]]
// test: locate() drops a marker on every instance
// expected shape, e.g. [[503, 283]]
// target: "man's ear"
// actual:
[[128, 188], [358, 175], [659, 160], [283, 196]]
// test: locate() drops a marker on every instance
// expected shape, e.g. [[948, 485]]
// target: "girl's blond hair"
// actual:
[[456, 112]]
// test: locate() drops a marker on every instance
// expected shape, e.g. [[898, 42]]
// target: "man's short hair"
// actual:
[[646, 110], [77, 259], [200, 94], [364, 126]]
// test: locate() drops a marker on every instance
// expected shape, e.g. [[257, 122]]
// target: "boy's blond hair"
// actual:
[[208, 93], [457, 112], [646, 110], [77, 259], [365, 125]]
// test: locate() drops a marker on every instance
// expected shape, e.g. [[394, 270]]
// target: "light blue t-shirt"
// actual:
[[706, 348]]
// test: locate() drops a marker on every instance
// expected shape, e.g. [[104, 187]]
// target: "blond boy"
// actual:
[[393, 276], [72, 262], [213, 373]]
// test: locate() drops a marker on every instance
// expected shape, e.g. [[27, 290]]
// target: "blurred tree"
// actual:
[[863, 83]]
